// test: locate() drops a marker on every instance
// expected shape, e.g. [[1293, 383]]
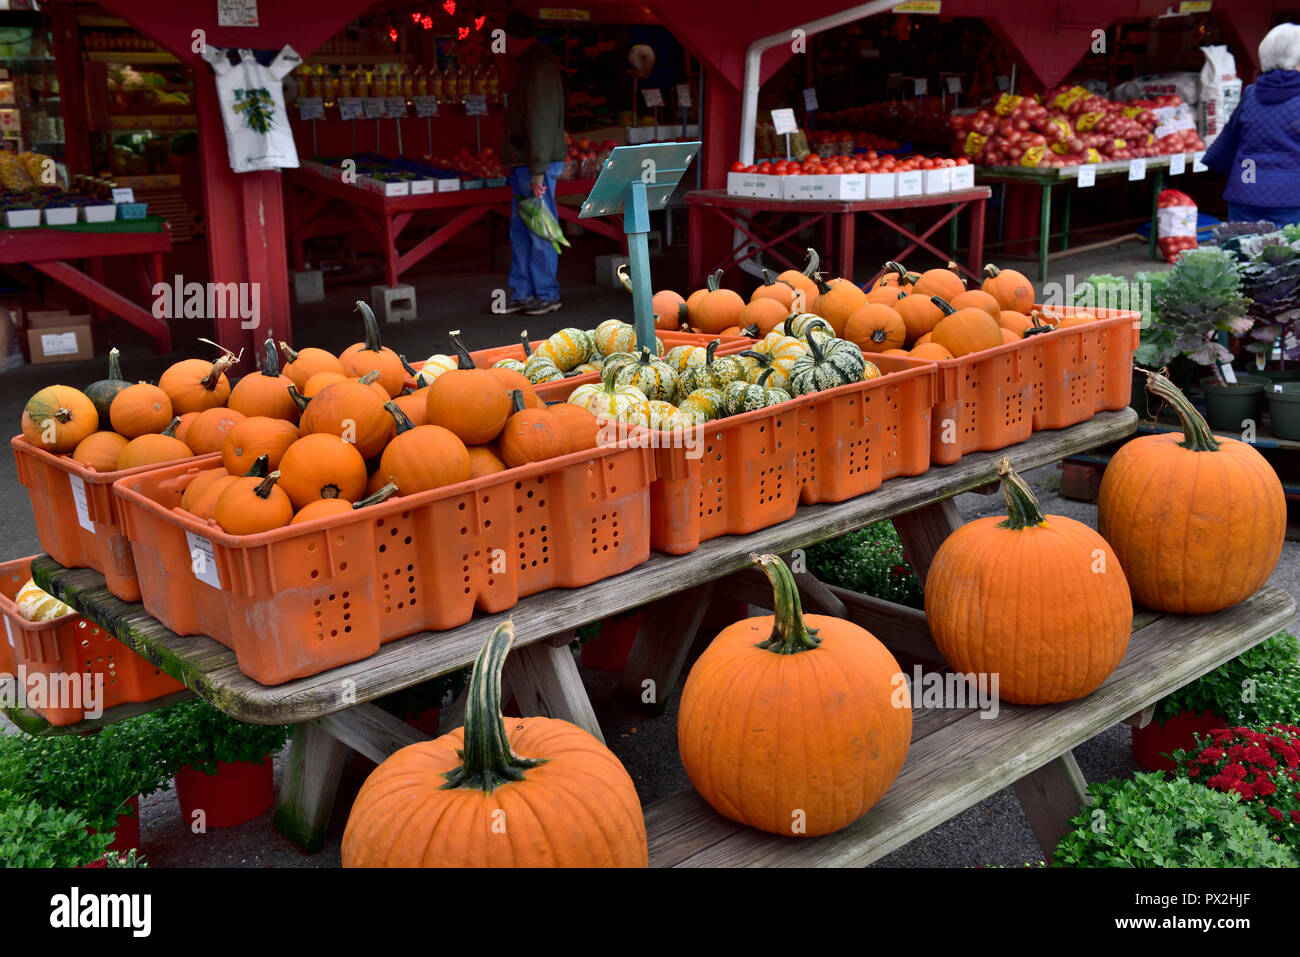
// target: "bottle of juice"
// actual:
[[421, 81], [329, 85], [464, 80], [408, 84], [479, 83], [394, 79], [493, 84], [345, 86], [445, 89]]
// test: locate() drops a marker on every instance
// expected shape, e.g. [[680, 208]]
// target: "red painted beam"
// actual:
[[114, 302]]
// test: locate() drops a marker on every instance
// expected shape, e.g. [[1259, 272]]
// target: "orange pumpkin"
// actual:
[[320, 380], [140, 409], [322, 465], [184, 427], [512, 381], [414, 405], [331, 507], [777, 290], [1076, 319], [422, 457], [963, 331], [1017, 322], [977, 299], [946, 283], [195, 385], [894, 277], [1008, 335], [154, 449], [256, 436], [202, 505], [1012, 290], [484, 461], [873, 327], [579, 424], [836, 303], [305, 363], [265, 392], [763, 313], [353, 410], [718, 308], [473, 403], [930, 350], [1197, 520], [208, 431], [531, 435], [757, 731], [100, 450], [58, 417], [919, 313], [250, 506], [371, 354], [208, 478], [670, 310], [805, 287]]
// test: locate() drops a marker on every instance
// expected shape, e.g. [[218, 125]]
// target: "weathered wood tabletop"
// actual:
[[210, 669]]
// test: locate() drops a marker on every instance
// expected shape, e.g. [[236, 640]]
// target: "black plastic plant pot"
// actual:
[[1228, 406], [1282, 375], [1284, 411]]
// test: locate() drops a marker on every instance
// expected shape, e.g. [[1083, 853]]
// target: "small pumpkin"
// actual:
[[352, 410], [538, 367], [777, 290], [1011, 289], [614, 335], [712, 373], [254, 437], [963, 331], [804, 285], [919, 313], [579, 425], [415, 405], [567, 798], [605, 400], [470, 402], [945, 283], [764, 313], [102, 392], [207, 433], [1008, 335], [1017, 322], [568, 348], [836, 303], [741, 397], [718, 308], [99, 451], [140, 409], [873, 327], [58, 417], [196, 385], [779, 361], [1197, 523], [800, 324], [322, 379], [1039, 600], [305, 363], [757, 731], [652, 376], [669, 308], [422, 457], [361, 357], [709, 402], [531, 435], [977, 299], [483, 460], [322, 465], [36, 605], [828, 364], [438, 363], [154, 449], [205, 480], [930, 350], [894, 277], [334, 507], [250, 506], [265, 392]]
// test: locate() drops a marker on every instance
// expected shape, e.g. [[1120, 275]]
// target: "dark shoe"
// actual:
[[540, 307], [516, 305]]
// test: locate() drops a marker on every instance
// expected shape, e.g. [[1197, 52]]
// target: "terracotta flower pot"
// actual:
[[126, 834], [608, 651], [237, 793], [1152, 743]]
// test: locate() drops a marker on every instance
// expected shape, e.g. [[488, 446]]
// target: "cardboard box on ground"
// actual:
[[53, 334]]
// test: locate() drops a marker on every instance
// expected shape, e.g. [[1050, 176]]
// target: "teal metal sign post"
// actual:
[[637, 179]]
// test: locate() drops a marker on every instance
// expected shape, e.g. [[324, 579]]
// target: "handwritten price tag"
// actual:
[[311, 108], [1087, 176], [123, 194], [475, 104], [394, 107], [373, 107], [653, 97], [1177, 164], [426, 106], [1197, 165], [784, 122], [350, 108], [953, 83], [684, 95], [810, 99], [1137, 169]]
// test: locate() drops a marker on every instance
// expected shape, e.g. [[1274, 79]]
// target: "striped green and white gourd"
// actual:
[[587, 368], [712, 373], [659, 414], [651, 375], [614, 335], [677, 355], [828, 364], [607, 401], [797, 326], [611, 364], [708, 401], [433, 367], [568, 348], [741, 397], [538, 366], [514, 365]]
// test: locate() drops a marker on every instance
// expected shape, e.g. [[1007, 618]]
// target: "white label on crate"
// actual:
[[350, 108], [420, 187], [59, 343], [476, 104], [426, 106], [311, 108], [1087, 175], [783, 121], [810, 99], [394, 107], [909, 183], [963, 177], [1277, 387], [123, 194], [1137, 169], [79, 499], [374, 107], [684, 95], [1197, 165], [653, 96], [203, 562], [1177, 164]]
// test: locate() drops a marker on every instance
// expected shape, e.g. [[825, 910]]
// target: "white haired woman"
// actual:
[[1259, 150]]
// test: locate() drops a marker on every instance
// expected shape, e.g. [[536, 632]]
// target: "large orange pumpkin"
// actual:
[[100, 450], [963, 331], [835, 303], [1038, 600], [422, 457], [895, 277], [778, 290], [804, 285], [718, 308], [793, 724], [473, 403], [531, 435], [518, 792], [946, 283], [1197, 521], [977, 299], [195, 385], [256, 436], [352, 410], [1017, 322], [1011, 289], [483, 460], [322, 465], [873, 327], [140, 409], [580, 425], [249, 506], [58, 417], [265, 392], [331, 507], [919, 313], [154, 449], [669, 308], [319, 380], [930, 350], [361, 357], [305, 363], [763, 313], [207, 433], [200, 484]]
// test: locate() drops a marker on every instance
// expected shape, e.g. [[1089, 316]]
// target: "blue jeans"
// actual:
[[1277, 215], [533, 260]]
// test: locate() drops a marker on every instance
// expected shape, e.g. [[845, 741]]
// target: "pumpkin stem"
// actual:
[[170, 431], [407, 367], [404, 423], [487, 760], [823, 286], [943, 305], [714, 282], [814, 263], [751, 331], [369, 377], [790, 633], [463, 359], [768, 280], [263, 489], [1038, 327], [899, 268], [261, 466], [114, 367], [516, 401], [289, 351], [623, 277], [645, 355], [878, 335], [1023, 510], [762, 379], [372, 327], [711, 348], [299, 399], [270, 359], [814, 348], [387, 492], [956, 271], [1199, 438], [991, 271], [219, 367], [528, 349]]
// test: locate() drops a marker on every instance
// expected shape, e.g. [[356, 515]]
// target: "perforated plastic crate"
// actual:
[[302, 599], [63, 650], [984, 401], [1085, 369]]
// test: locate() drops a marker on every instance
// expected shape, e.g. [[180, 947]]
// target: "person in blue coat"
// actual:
[[1259, 150]]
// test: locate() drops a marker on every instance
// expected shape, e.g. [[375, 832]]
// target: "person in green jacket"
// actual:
[[534, 150]]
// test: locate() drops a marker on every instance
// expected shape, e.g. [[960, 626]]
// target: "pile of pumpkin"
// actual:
[[319, 437]]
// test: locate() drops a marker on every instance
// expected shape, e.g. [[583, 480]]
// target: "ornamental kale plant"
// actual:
[[1260, 767], [1201, 298]]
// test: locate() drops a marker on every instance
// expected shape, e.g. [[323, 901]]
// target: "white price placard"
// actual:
[[1137, 169], [783, 121], [203, 563], [237, 13], [810, 99], [1229, 374], [373, 107], [79, 501], [1177, 164], [426, 106], [350, 108], [1004, 82], [684, 95], [1197, 165], [953, 83], [475, 104], [123, 194], [59, 343], [653, 96], [394, 107], [920, 86], [311, 108], [1087, 175]]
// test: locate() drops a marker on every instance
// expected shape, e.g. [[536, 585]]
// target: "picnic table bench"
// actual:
[[957, 757]]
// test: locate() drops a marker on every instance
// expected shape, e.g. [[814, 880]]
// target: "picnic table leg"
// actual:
[[923, 530], [977, 236], [659, 654], [310, 784], [545, 681], [1051, 796], [1044, 230]]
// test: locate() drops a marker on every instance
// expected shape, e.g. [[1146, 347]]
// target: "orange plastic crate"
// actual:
[[71, 646], [306, 598], [78, 520], [1080, 371], [984, 401]]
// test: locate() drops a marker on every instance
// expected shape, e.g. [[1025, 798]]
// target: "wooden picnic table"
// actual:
[[957, 757]]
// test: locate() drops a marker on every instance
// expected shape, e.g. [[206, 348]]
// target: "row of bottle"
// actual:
[[393, 79], [118, 41]]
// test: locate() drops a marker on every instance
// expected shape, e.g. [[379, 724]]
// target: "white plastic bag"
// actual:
[[1220, 91], [258, 136]]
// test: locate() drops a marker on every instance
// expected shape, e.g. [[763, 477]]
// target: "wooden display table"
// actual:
[[837, 221], [49, 249]]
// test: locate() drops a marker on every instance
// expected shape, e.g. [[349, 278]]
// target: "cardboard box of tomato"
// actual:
[[754, 184]]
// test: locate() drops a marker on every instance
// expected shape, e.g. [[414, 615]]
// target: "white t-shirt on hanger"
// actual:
[[258, 136]]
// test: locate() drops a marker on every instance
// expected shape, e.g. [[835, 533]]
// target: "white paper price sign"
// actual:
[[920, 85], [1087, 175], [1197, 165], [810, 99], [684, 95], [425, 106], [1137, 169], [373, 107], [1177, 164], [653, 96], [784, 122], [79, 502], [203, 561], [475, 104], [394, 107], [350, 108], [953, 83], [311, 108], [123, 194], [1004, 82]]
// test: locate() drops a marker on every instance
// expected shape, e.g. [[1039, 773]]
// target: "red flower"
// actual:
[[1245, 790], [1277, 815], [1264, 786], [1210, 755], [1295, 817], [1234, 772], [1193, 772]]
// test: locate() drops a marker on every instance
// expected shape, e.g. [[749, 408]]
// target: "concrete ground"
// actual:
[[454, 292]]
